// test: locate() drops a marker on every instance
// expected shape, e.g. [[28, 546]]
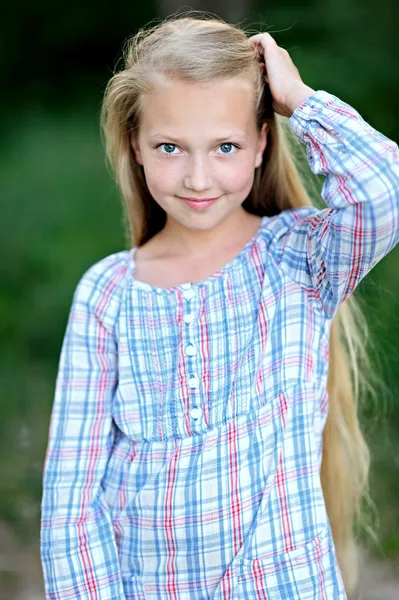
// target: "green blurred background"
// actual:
[[61, 211]]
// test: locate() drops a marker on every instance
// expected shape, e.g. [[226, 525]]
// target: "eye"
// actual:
[[169, 146], [229, 144]]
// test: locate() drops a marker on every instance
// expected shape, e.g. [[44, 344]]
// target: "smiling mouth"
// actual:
[[199, 199], [200, 204]]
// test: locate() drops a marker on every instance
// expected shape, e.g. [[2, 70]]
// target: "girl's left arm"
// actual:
[[340, 244], [331, 250]]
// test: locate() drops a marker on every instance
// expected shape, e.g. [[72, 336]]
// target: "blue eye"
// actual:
[[228, 144], [167, 145], [174, 145]]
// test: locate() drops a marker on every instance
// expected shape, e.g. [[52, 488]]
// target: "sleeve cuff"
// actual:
[[309, 109]]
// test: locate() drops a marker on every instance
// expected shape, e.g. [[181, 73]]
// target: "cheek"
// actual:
[[161, 177], [240, 177]]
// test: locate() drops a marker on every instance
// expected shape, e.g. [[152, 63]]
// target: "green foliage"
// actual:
[[61, 211]]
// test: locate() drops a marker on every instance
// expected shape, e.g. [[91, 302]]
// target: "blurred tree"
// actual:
[[229, 10], [53, 50]]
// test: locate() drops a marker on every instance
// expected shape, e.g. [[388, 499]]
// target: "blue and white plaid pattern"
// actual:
[[186, 433]]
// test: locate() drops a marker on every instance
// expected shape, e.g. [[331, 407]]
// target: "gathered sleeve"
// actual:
[[78, 549], [333, 248]]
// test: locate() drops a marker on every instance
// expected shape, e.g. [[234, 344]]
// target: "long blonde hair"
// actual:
[[203, 49]]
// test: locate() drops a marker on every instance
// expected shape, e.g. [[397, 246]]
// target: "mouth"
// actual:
[[199, 199], [199, 203]]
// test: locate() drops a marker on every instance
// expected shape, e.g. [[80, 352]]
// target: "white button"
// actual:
[[186, 286], [188, 318], [190, 350], [188, 294], [196, 413], [193, 382]]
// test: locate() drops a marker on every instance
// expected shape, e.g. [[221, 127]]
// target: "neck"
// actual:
[[194, 244]]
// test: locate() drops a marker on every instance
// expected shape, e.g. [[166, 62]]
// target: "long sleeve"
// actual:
[[78, 549], [332, 249]]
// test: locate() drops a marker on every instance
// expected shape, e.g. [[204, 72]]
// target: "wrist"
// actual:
[[298, 96]]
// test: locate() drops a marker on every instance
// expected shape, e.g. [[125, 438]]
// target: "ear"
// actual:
[[135, 147], [261, 145]]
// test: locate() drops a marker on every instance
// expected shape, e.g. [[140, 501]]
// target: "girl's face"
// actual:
[[199, 140]]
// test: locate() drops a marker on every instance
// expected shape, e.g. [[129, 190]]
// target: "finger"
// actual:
[[262, 38], [266, 45], [254, 38]]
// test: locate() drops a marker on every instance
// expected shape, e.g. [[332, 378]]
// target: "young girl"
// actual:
[[185, 456]]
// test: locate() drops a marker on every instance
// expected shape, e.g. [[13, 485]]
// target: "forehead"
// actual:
[[182, 107]]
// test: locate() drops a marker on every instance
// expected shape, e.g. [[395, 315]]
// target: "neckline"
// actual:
[[231, 264]]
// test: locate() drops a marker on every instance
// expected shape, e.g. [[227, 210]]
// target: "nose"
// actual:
[[198, 175]]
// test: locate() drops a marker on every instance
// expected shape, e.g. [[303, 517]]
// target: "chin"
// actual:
[[202, 221]]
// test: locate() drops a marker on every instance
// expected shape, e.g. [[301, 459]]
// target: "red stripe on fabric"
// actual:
[[171, 584], [260, 581], [281, 486], [320, 153], [357, 249], [236, 504], [183, 376], [282, 494], [256, 258], [205, 353], [319, 554], [90, 576], [106, 294], [308, 343], [155, 333]]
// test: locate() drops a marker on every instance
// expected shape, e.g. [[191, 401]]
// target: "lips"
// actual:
[[198, 204], [199, 199]]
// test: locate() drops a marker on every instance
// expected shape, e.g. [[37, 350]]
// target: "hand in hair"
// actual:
[[287, 88]]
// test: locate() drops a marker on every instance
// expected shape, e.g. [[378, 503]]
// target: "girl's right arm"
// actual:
[[78, 548]]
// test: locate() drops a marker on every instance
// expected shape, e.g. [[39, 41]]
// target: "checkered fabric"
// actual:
[[184, 452]]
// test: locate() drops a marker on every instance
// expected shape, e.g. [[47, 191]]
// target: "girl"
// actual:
[[185, 456]]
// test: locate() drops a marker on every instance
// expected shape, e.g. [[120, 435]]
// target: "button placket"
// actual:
[[191, 351], [193, 382], [188, 318], [195, 413], [188, 294]]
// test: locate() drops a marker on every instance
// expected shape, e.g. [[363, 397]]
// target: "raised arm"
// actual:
[[331, 250], [339, 245], [78, 549]]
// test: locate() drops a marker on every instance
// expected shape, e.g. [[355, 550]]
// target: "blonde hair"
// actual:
[[204, 49]]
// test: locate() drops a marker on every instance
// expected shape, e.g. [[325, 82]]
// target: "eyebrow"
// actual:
[[160, 136]]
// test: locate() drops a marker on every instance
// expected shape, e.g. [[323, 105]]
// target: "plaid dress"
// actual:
[[184, 452]]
